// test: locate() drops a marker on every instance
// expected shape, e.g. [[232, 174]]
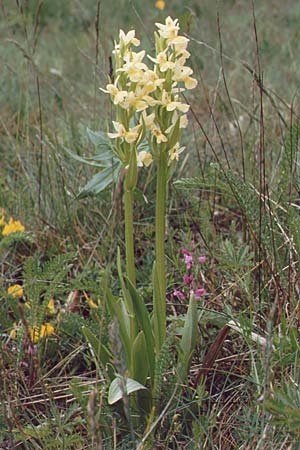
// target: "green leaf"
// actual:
[[143, 318], [118, 309], [140, 358], [101, 180], [98, 349], [115, 391], [83, 159], [98, 138], [189, 338]]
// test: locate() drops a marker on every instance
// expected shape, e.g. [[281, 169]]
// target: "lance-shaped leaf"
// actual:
[[98, 138], [118, 309], [101, 180], [143, 318], [139, 359], [97, 349], [189, 338]]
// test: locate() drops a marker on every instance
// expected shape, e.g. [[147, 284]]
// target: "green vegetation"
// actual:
[[85, 360]]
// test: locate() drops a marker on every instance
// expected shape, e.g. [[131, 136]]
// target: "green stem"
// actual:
[[160, 211], [129, 243]]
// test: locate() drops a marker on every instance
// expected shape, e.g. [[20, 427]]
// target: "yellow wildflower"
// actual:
[[12, 227], [91, 304], [36, 333], [51, 306], [160, 4], [13, 331], [46, 330], [15, 290], [2, 221]]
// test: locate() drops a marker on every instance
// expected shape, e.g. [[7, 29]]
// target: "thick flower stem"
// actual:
[[129, 242], [160, 207]]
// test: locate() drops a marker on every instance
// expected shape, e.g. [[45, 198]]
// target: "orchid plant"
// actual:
[[150, 116]]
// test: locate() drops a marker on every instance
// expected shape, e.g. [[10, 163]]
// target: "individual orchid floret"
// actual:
[[180, 43], [148, 121], [182, 74], [117, 95], [175, 152], [183, 122], [160, 137], [202, 259], [151, 81], [163, 61], [171, 105], [134, 67], [138, 99], [169, 30], [144, 159], [128, 38], [129, 136]]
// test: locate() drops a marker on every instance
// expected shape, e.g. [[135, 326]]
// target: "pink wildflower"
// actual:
[[188, 259], [188, 279], [198, 293], [202, 259], [184, 251], [180, 295], [23, 364]]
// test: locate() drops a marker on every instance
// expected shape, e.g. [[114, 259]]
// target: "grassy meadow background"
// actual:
[[234, 199]]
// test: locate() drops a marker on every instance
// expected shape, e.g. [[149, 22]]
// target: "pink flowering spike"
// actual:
[[180, 295], [188, 279], [198, 293], [184, 251], [188, 259], [202, 259], [23, 364]]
